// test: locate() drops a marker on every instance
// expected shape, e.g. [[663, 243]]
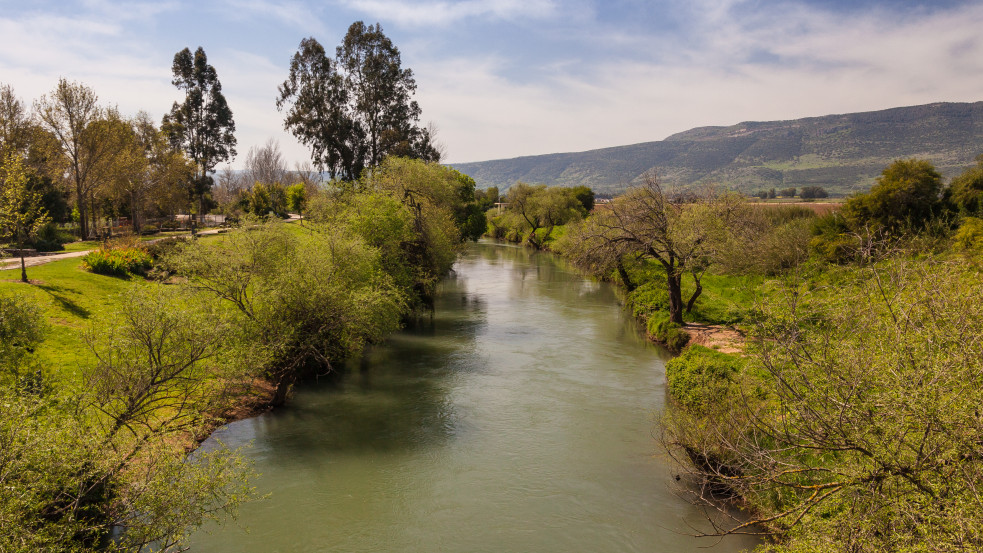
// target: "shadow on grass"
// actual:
[[58, 293]]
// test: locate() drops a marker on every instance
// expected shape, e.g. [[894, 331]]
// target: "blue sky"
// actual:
[[504, 78]]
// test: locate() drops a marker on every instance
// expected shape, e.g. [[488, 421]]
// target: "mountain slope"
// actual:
[[843, 153]]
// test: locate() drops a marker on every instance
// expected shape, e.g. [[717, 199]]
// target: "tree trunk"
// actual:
[[284, 383], [625, 277], [696, 294], [674, 281], [23, 267]]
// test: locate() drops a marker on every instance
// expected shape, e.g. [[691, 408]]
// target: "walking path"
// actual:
[[34, 260]]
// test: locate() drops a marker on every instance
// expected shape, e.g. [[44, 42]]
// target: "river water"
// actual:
[[523, 418]]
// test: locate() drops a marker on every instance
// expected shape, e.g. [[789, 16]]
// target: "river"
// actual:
[[522, 418]]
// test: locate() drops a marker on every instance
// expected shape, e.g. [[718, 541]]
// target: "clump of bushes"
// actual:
[[668, 332], [701, 377], [118, 260]]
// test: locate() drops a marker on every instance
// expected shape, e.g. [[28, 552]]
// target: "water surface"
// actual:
[[522, 418]]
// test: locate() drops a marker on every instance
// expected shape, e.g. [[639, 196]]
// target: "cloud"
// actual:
[[735, 66], [295, 15], [443, 13]]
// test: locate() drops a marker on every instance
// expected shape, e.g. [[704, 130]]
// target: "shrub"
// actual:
[[119, 261], [667, 332], [970, 234], [701, 377]]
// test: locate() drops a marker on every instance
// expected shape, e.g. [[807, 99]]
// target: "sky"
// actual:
[[508, 78]]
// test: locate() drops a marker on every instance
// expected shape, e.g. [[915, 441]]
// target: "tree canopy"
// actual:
[[354, 110], [201, 125]]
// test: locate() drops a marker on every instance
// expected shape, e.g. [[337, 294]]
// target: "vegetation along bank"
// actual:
[[848, 420]]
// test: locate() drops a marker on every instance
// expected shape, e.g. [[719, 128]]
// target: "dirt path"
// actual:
[[720, 338]]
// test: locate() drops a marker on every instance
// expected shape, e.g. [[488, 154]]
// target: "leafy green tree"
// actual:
[[966, 190], [356, 109], [681, 233], [907, 195], [305, 302], [584, 195], [787, 192], [297, 198], [543, 207], [21, 214], [102, 470], [202, 125], [809, 192], [486, 198]]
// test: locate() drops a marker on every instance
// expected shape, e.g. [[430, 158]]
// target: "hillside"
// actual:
[[843, 153]]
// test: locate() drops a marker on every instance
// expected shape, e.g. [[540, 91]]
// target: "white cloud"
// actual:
[[292, 14], [442, 13], [821, 63]]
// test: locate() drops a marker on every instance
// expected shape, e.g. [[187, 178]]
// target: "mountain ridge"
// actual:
[[842, 152]]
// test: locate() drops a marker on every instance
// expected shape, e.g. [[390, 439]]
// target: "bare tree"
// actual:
[[265, 164]]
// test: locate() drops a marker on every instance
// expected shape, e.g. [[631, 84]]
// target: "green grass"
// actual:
[[73, 299], [726, 299]]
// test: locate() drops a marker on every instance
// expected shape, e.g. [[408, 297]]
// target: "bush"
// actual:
[[667, 332], [119, 261], [701, 377], [50, 238], [970, 234]]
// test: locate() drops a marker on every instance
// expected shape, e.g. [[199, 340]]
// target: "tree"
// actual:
[[265, 164], [813, 192], [907, 195], [305, 303], [857, 425], [356, 109], [21, 212], [543, 207], [966, 190], [584, 195], [202, 125], [297, 198], [70, 113], [646, 223], [104, 469], [787, 192]]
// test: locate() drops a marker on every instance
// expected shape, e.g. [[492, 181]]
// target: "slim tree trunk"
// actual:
[[674, 281], [696, 293], [23, 266], [625, 277]]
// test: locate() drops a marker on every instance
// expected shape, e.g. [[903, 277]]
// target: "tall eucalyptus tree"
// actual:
[[202, 125]]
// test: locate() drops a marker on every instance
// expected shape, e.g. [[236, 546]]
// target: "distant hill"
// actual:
[[843, 153]]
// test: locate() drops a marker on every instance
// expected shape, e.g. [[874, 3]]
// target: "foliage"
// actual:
[[21, 214], [667, 332], [202, 125], [681, 233], [908, 194], [296, 197], [97, 470], [870, 437], [810, 192], [970, 234], [542, 207], [22, 329], [354, 110], [701, 377], [306, 301], [966, 190], [117, 261], [585, 196]]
